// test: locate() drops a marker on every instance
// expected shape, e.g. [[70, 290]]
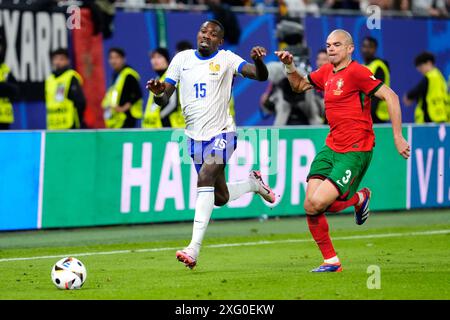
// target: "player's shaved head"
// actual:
[[341, 33], [340, 48]]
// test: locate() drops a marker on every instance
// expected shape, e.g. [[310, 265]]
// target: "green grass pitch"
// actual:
[[240, 260]]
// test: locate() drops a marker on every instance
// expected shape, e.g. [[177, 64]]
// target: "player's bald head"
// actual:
[[340, 47], [341, 34]]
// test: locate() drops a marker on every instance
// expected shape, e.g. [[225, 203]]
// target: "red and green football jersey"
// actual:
[[347, 95]]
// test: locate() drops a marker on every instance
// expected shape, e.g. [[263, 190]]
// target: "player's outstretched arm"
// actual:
[[395, 115], [257, 71], [298, 82], [162, 91]]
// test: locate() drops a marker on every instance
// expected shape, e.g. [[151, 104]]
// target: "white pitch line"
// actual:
[[242, 244]]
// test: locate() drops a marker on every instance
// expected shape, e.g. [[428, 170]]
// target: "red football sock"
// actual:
[[318, 226], [339, 205]]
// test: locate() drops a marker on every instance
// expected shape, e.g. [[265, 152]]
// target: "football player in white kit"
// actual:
[[205, 78]]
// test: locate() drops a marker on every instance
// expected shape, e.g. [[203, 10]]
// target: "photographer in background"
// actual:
[[288, 107]]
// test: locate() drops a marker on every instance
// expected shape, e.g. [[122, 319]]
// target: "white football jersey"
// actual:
[[205, 90]]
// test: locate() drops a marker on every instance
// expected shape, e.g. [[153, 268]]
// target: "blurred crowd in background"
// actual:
[[437, 8], [126, 106], [419, 7]]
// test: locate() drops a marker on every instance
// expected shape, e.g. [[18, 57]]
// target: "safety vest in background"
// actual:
[[114, 119], [6, 108], [61, 111], [152, 116], [231, 107], [381, 108], [448, 99], [436, 99], [176, 118]]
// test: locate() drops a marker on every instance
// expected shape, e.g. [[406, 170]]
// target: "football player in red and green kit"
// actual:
[[339, 167]]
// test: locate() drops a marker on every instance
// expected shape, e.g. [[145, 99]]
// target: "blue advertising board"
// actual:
[[19, 179], [430, 166]]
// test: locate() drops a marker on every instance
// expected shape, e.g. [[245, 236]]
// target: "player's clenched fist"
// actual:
[[155, 86], [258, 53], [285, 56]]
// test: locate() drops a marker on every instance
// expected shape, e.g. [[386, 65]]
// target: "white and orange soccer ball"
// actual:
[[69, 273]]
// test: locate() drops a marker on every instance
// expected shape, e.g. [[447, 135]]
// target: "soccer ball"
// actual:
[[69, 273]]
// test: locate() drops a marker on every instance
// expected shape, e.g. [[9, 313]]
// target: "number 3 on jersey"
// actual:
[[200, 90], [345, 179]]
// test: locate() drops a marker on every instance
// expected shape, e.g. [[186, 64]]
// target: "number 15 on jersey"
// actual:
[[200, 90]]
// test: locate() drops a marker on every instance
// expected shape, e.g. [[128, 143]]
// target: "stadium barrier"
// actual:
[[89, 178]]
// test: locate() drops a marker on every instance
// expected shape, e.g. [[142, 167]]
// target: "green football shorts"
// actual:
[[344, 170]]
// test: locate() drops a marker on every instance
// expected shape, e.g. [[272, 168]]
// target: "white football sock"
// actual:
[[203, 209], [333, 260], [239, 188]]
